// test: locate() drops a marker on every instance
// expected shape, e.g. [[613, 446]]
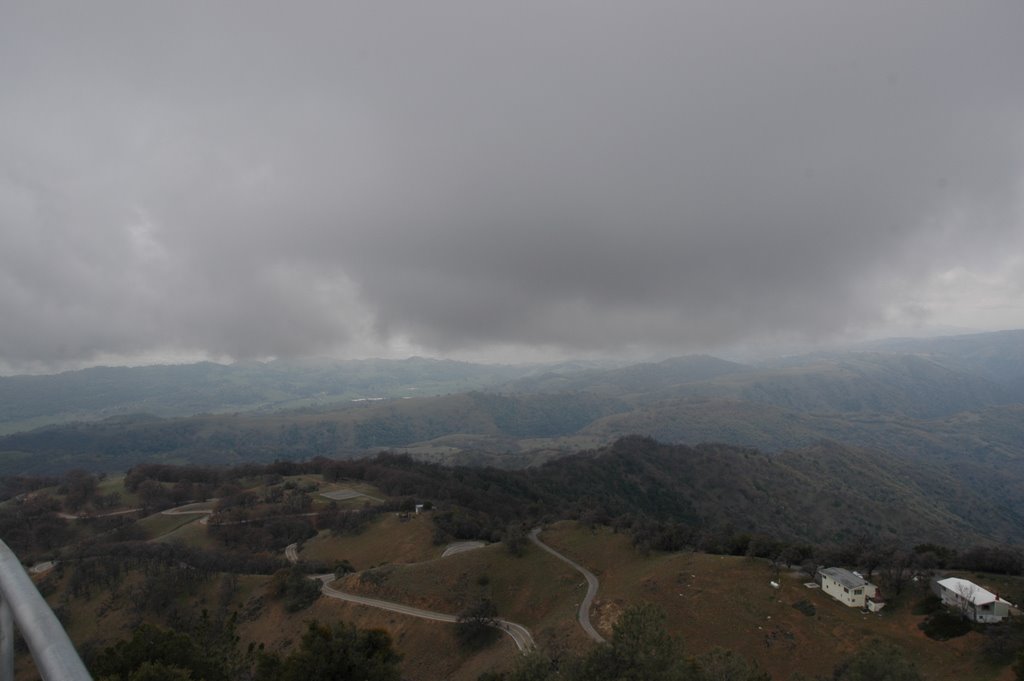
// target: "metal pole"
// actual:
[[56, 659], [6, 642]]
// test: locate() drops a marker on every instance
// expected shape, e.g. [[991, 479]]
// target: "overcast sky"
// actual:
[[503, 179]]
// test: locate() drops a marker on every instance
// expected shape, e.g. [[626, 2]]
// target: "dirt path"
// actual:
[[592, 584], [520, 634]]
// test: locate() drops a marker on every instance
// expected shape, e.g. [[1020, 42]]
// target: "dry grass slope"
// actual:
[[727, 601]]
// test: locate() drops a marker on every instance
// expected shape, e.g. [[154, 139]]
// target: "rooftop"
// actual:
[[969, 591], [845, 577]]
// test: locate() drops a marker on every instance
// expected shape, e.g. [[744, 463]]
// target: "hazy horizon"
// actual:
[[738, 354]]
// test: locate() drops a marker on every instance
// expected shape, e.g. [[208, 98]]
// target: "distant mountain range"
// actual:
[[920, 377], [182, 390], [955, 402]]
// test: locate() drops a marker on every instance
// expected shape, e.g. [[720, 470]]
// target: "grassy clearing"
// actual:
[[535, 589], [115, 484], [727, 601], [192, 534], [386, 540], [372, 494], [158, 524]]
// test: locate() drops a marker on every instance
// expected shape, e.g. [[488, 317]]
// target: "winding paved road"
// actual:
[[291, 552], [584, 614], [462, 547], [81, 516], [520, 634], [188, 509]]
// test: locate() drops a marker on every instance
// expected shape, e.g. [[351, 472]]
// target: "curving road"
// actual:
[[90, 516], [188, 509], [520, 634], [592, 584], [462, 547], [291, 552]]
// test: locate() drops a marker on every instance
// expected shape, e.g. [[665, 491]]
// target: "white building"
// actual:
[[850, 589], [976, 602]]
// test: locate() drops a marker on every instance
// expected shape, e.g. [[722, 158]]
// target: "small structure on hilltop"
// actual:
[[849, 588], [976, 603]]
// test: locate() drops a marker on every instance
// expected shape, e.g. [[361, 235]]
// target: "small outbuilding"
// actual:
[[850, 589], [975, 602]]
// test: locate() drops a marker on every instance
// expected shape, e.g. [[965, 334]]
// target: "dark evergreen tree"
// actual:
[[640, 650], [329, 653]]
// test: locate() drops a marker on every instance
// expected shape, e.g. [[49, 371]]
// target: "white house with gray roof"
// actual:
[[850, 589], [975, 602]]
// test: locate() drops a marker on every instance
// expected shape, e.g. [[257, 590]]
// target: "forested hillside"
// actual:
[[827, 493], [118, 443]]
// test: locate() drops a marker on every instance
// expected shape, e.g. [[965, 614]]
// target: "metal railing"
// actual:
[[20, 604]]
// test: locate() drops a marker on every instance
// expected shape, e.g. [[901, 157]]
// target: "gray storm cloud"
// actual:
[[253, 179]]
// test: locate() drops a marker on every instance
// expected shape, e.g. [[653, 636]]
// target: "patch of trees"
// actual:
[[164, 586], [161, 588], [207, 650], [328, 653], [263, 535], [13, 485], [155, 653], [195, 647], [182, 556], [79, 488], [212, 476], [295, 588], [1000, 559], [475, 627], [942, 625], [346, 521], [31, 525]]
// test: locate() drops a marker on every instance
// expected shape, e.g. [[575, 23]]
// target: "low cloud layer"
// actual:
[[264, 179]]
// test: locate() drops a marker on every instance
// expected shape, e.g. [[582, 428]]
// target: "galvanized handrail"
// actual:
[[20, 603]]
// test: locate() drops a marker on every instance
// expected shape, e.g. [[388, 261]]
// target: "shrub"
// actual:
[[943, 626], [475, 628], [928, 605]]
